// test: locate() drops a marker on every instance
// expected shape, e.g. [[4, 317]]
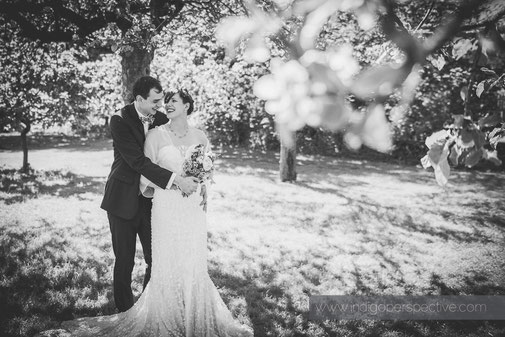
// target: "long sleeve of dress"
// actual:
[[151, 148]]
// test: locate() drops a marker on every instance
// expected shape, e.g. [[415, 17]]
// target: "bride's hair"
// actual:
[[185, 96]]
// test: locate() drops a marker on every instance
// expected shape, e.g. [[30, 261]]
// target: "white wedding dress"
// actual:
[[180, 299]]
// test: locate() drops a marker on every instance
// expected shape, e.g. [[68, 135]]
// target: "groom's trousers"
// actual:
[[124, 236]]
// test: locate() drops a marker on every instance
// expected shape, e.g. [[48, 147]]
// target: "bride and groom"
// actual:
[[179, 298]]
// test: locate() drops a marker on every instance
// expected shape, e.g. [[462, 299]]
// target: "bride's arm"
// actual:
[[205, 185], [151, 148]]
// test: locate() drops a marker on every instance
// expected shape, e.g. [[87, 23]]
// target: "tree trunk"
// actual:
[[24, 145], [134, 64], [243, 128], [287, 163], [473, 73]]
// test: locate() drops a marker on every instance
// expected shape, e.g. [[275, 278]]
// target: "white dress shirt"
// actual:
[[146, 125]]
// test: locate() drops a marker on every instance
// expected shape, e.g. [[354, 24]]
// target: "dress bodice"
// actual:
[[161, 149], [171, 157]]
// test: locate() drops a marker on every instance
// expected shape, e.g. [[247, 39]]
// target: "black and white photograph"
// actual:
[[252, 168]]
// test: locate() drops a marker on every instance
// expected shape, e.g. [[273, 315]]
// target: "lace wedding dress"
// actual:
[[180, 299]]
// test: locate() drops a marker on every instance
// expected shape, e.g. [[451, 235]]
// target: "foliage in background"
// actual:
[[52, 84], [225, 105], [103, 96], [187, 55], [129, 28], [39, 84], [311, 86]]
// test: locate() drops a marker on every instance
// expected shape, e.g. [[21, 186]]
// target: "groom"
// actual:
[[128, 211]]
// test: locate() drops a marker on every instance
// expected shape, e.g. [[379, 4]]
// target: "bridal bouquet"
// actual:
[[198, 163]]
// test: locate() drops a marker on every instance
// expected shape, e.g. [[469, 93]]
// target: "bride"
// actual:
[[180, 299]]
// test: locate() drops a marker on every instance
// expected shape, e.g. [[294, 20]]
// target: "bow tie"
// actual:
[[147, 119]]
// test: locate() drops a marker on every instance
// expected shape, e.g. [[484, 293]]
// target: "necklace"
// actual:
[[179, 136]]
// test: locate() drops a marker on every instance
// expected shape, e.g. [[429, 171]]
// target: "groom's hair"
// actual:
[[185, 96], [144, 85]]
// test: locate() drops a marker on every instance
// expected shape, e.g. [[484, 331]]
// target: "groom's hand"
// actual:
[[187, 185]]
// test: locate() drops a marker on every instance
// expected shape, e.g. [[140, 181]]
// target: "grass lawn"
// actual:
[[346, 227]]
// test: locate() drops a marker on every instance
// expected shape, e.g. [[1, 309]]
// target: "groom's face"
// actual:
[[152, 103]]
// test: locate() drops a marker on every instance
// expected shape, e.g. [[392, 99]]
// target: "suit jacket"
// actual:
[[122, 188]]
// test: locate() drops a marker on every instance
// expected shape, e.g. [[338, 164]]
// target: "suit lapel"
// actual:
[[159, 119], [135, 122], [133, 118]]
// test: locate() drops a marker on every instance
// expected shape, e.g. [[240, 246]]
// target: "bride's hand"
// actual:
[[187, 185]]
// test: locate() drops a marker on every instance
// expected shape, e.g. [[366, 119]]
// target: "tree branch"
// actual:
[[401, 37], [402, 26], [179, 5], [472, 80], [495, 36], [428, 12], [447, 31], [490, 11], [29, 30], [78, 23]]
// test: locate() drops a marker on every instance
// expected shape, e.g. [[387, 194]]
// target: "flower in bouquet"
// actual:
[[199, 163]]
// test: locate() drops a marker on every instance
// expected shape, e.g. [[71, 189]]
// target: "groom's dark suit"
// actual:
[[130, 213]]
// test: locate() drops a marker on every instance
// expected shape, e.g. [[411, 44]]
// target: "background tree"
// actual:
[[39, 85], [311, 86], [126, 27], [187, 54], [48, 46]]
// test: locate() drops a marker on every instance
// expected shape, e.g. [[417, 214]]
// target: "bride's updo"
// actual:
[[185, 96]]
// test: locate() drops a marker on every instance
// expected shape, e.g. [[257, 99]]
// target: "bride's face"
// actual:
[[176, 107]]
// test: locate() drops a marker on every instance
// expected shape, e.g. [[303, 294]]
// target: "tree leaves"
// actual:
[[442, 169], [232, 29], [41, 86], [462, 47], [379, 81], [437, 61], [481, 87], [464, 144], [490, 120], [466, 139], [437, 137], [318, 98], [492, 156], [258, 26], [488, 84], [437, 157], [376, 132], [497, 135], [454, 155], [488, 71], [463, 92], [435, 152], [473, 157], [314, 20]]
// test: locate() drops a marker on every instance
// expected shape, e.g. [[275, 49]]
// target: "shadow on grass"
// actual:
[[41, 141], [485, 214], [44, 280], [274, 311], [44, 288], [266, 164], [20, 186], [491, 181]]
